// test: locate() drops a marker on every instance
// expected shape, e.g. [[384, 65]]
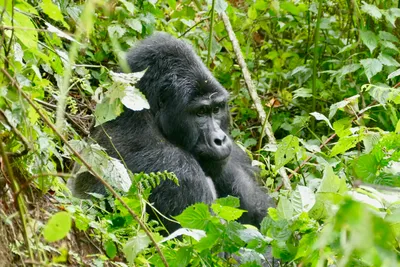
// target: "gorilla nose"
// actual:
[[220, 140]]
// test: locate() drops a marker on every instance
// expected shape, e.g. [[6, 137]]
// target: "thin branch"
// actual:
[[195, 25], [20, 203], [69, 116], [85, 163], [211, 33], [253, 93]]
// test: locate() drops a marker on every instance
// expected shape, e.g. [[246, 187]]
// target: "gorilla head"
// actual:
[[188, 104]]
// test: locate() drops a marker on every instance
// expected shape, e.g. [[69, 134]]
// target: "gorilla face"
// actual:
[[200, 121], [213, 142]]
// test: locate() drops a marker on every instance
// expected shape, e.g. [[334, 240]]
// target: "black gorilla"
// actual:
[[184, 132]]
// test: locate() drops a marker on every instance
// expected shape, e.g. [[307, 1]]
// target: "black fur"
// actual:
[[185, 132]]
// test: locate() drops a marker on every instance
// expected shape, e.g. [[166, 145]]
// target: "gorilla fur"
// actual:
[[185, 131]]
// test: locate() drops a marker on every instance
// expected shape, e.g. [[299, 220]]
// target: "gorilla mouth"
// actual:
[[206, 151]]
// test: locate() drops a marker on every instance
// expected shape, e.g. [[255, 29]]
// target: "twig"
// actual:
[[20, 204], [85, 163], [253, 93], [195, 25], [69, 117]]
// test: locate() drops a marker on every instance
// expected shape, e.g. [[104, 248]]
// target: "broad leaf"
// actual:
[[369, 39], [371, 10], [394, 74], [135, 245], [196, 216], [287, 150], [58, 226], [303, 199], [321, 117], [371, 66], [388, 60]]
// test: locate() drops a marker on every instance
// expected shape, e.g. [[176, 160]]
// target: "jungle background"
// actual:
[[319, 114]]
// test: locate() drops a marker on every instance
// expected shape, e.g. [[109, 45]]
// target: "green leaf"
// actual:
[[261, 5], [286, 151], [196, 216], [107, 111], [53, 11], [389, 46], [250, 142], [331, 183], [371, 10], [290, 7], [365, 168], [387, 36], [344, 144], [116, 31], [128, 5], [342, 127], [369, 39], [252, 13], [57, 227], [229, 201], [111, 249], [28, 38], [371, 66], [348, 69], [285, 208], [81, 222], [381, 93], [321, 117], [391, 15], [135, 245], [207, 242], [303, 199], [394, 74], [226, 212], [388, 60], [352, 101], [135, 24], [183, 256]]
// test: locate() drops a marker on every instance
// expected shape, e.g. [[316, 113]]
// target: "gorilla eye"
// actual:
[[201, 111], [216, 110]]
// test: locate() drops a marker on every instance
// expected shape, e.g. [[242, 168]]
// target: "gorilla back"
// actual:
[[184, 132]]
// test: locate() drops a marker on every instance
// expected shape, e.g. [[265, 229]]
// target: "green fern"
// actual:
[[153, 179]]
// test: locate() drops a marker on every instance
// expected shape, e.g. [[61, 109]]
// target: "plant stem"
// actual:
[[315, 60], [211, 33]]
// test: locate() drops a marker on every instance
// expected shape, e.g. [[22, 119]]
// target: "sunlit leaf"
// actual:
[[57, 227], [371, 10], [135, 245], [53, 11], [321, 117], [134, 24], [196, 216]]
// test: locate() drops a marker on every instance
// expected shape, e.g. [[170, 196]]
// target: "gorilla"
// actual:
[[185, 131]]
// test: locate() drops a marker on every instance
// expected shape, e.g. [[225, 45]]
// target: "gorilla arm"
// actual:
[[236, 178]]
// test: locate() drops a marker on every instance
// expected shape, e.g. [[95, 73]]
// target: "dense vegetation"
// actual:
[[327, 74]]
